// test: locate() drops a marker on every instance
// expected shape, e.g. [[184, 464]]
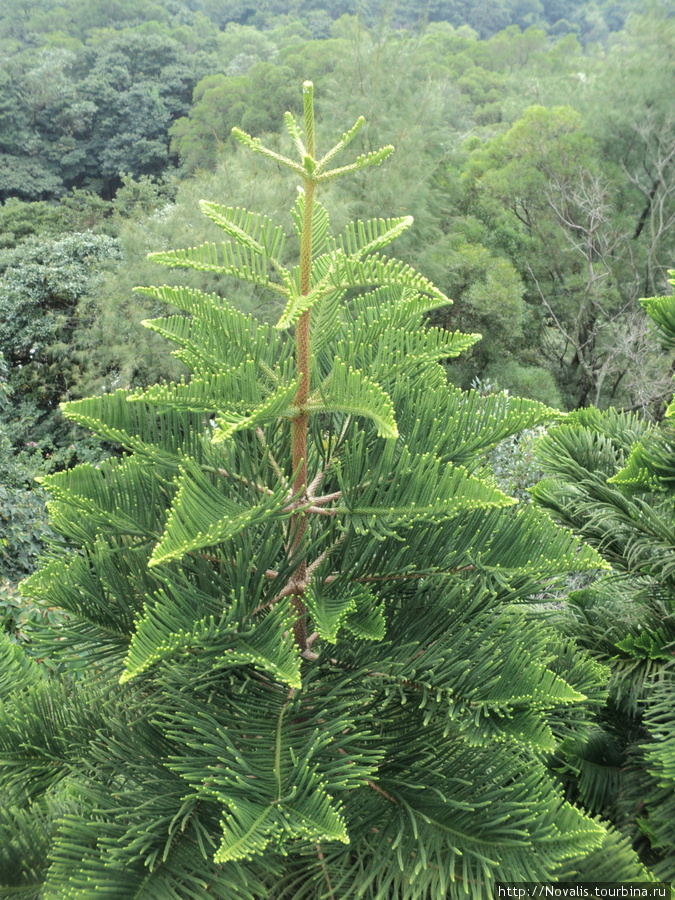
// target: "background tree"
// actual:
[[635, 133], [85, 117], [41, 285], [545, 184]]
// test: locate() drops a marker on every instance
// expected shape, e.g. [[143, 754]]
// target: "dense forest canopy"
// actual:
[[34, 22], [91, 90]]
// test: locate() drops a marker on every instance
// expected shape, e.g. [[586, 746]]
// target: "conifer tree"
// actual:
[[611, 477], [300, 655]]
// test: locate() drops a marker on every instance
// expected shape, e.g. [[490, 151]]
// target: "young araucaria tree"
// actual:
[[310, 665]]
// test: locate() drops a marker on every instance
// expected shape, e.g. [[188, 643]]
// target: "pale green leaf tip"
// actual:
[[244, 137]]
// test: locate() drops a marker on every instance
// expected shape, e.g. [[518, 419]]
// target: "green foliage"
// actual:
[[611, 478], [636, 135], [42, 283], [23, 529], [219, 103], [82, 117], [527, 381], [74, 21], [23, 520], [309, 662], [552, 203], [19, 220], [142, 197]]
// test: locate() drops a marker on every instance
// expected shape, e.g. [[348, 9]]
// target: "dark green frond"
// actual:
[[162, 436], [215, 330], [118, 496], [17, 671], [463, 426], [613, 861], [25, 839], [659, 820], [349, 273], [233, 388], [348, 391], [202, 514]]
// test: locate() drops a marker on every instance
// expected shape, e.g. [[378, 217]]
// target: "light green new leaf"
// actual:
[[329, 609], [362, 162], [277, 405], [344, 141], [294, 131], [251, 827], [252, 230], [362, 238], [352, 606], [257, 146], [315, 817], [366, 621], [237, 260], [247, 830], [326, 321]]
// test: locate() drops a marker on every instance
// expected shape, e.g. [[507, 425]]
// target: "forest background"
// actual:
[[535, 147]]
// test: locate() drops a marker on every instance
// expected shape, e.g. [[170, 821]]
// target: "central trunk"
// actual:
[[300, 422]]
